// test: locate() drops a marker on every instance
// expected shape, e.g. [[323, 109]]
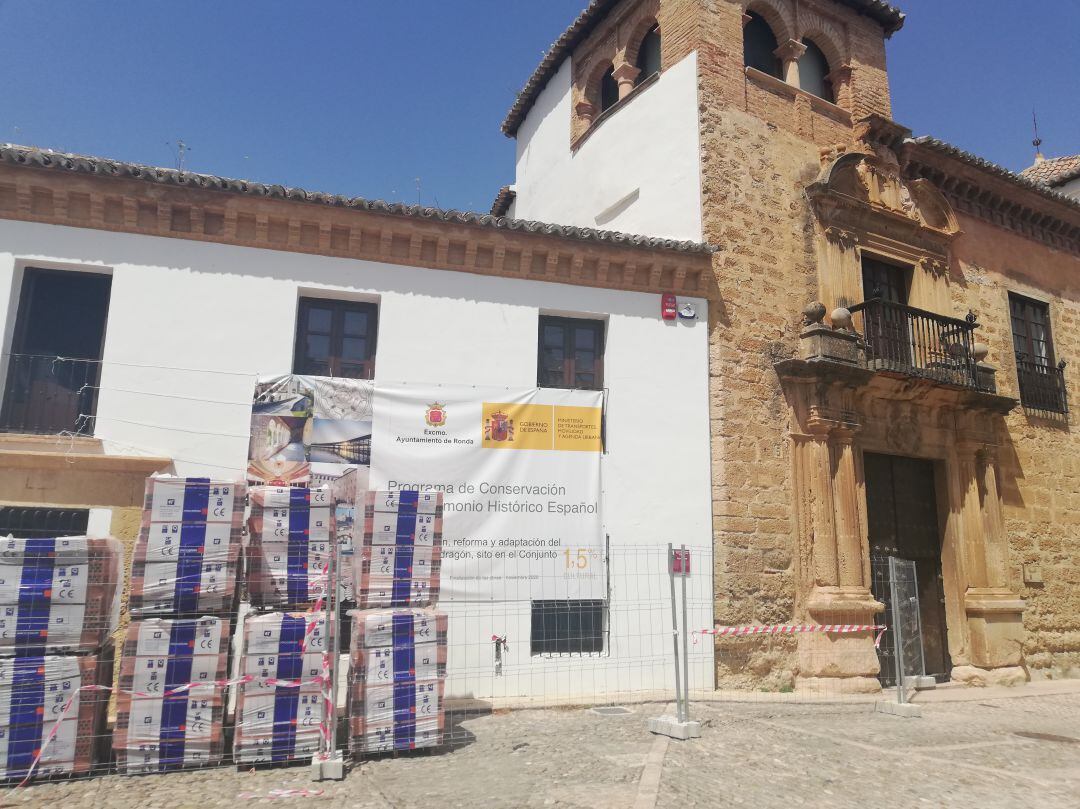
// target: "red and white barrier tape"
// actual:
[[792, 629], [281, 793]]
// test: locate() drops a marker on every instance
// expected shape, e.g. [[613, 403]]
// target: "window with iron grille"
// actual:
[[568, 627], [336, 338], [40, 523], [1041, 381], [571, 353]]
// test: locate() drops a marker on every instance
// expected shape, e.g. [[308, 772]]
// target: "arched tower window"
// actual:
[[609, 90], [814, 72], [759, 44], [648, 58]]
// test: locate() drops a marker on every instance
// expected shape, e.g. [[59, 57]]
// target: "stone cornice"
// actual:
[[980, 189], [183, 207]]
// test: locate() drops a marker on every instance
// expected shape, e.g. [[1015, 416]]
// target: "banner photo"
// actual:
[[310, 432], [519, 470]]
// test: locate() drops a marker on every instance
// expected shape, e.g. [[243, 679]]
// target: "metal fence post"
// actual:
[[685, 641], [898, 639], [674, 629]]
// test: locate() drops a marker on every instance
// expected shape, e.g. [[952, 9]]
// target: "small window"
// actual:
[[814, 72], [336, 338], [571, 354], [648, 58], [567, 627], [759, 46], [1042, 383], [609, 90]]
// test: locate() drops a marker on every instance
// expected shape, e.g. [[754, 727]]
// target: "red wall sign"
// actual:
[[669, 307]]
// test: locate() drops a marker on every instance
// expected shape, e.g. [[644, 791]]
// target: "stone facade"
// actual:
[[795, 190], [789, 497]]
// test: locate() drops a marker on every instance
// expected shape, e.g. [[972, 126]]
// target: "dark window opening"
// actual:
[[889, 282], [56, 352], [886, 328], [567, 627], [571, 354], [336, 338], [43, 523], [609, 90], [648, 58], [1042, 383], [759, 46], [814, 72]]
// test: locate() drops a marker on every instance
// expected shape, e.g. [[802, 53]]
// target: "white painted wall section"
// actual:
[[639, 170], [191, 325]]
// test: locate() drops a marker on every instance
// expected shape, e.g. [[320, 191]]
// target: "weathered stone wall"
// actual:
[[760, 149], [1039, 457]]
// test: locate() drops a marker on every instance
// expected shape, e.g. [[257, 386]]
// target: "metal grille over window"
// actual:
[[33, 523], [1041, 380], [568, 627]]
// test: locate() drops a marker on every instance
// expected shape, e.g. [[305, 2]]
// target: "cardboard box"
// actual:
[[289, 547], [397, 627], [387, 664], [170, 733], [158, 726], [199, 500], [403, 502], [58, 595], [34, 691], [188, 587], [367, 738]]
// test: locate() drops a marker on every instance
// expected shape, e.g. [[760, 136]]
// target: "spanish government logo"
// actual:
[[498, 427], [435, 415]]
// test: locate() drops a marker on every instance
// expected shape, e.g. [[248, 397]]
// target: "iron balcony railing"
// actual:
[[1042, 386], [49, 394], [915, 342]]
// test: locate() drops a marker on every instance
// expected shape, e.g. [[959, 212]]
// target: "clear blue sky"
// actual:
[[361, 97]]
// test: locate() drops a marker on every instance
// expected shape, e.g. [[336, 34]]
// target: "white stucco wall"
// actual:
[[638, 172], [191, 325]]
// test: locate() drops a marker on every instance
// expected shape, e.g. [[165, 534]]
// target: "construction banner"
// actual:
[[520, 473]]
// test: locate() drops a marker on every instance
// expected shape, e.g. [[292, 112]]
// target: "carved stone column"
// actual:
[[995, 614], [789, 55], [626, 75], [849, 533], [834, 663]]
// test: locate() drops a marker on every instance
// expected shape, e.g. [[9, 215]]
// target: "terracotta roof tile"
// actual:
[[35, 157], [1019, 180], [1054, 172]]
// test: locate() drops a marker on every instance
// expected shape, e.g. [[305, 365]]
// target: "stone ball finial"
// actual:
[[814, 313], [841, 319], [980, 351]]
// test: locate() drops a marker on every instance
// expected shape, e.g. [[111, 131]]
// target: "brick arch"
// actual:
[[590, 88], [637, 31], [773, 13], [826, 36]]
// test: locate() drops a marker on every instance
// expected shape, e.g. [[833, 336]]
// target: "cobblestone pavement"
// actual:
[[966, 754]]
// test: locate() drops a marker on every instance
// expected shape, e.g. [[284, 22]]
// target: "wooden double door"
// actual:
[[904, 521]]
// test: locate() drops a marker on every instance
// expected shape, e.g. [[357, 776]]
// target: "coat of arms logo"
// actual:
[[435, 415], [498, 427]]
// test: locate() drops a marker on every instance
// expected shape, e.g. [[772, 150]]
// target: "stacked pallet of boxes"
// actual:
[[398, 649], [59, 603], [282, 707], [171, 705]]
